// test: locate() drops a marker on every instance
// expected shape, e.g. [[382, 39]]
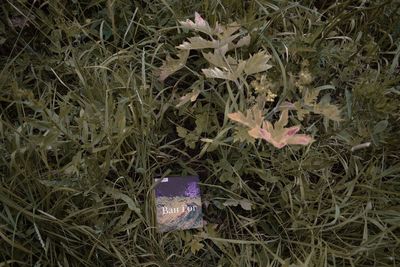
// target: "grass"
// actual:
[[85, 125]]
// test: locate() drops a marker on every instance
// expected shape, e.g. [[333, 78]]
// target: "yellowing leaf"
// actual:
[[171, 65], [253, 117], [257, 63]]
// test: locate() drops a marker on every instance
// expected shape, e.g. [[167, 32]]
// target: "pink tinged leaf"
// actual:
[[300, 139], [255, 133], [264, 134], [268, 126], [238, 117], [289, 132], [218, 28], [253, 118], [199, 24], [199, 20], [268, 136]]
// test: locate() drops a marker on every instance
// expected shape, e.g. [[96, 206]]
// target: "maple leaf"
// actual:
[[172, 65]]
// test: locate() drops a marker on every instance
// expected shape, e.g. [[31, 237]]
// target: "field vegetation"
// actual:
[[287, 110]]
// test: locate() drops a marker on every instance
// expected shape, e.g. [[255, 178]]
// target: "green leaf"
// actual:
[[381, 126], [241, 135], [182, 132], [118, 195], [202, 123], [195, 245], [244, 203]]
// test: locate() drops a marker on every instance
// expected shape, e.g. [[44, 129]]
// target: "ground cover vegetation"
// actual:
[[288, 111]]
